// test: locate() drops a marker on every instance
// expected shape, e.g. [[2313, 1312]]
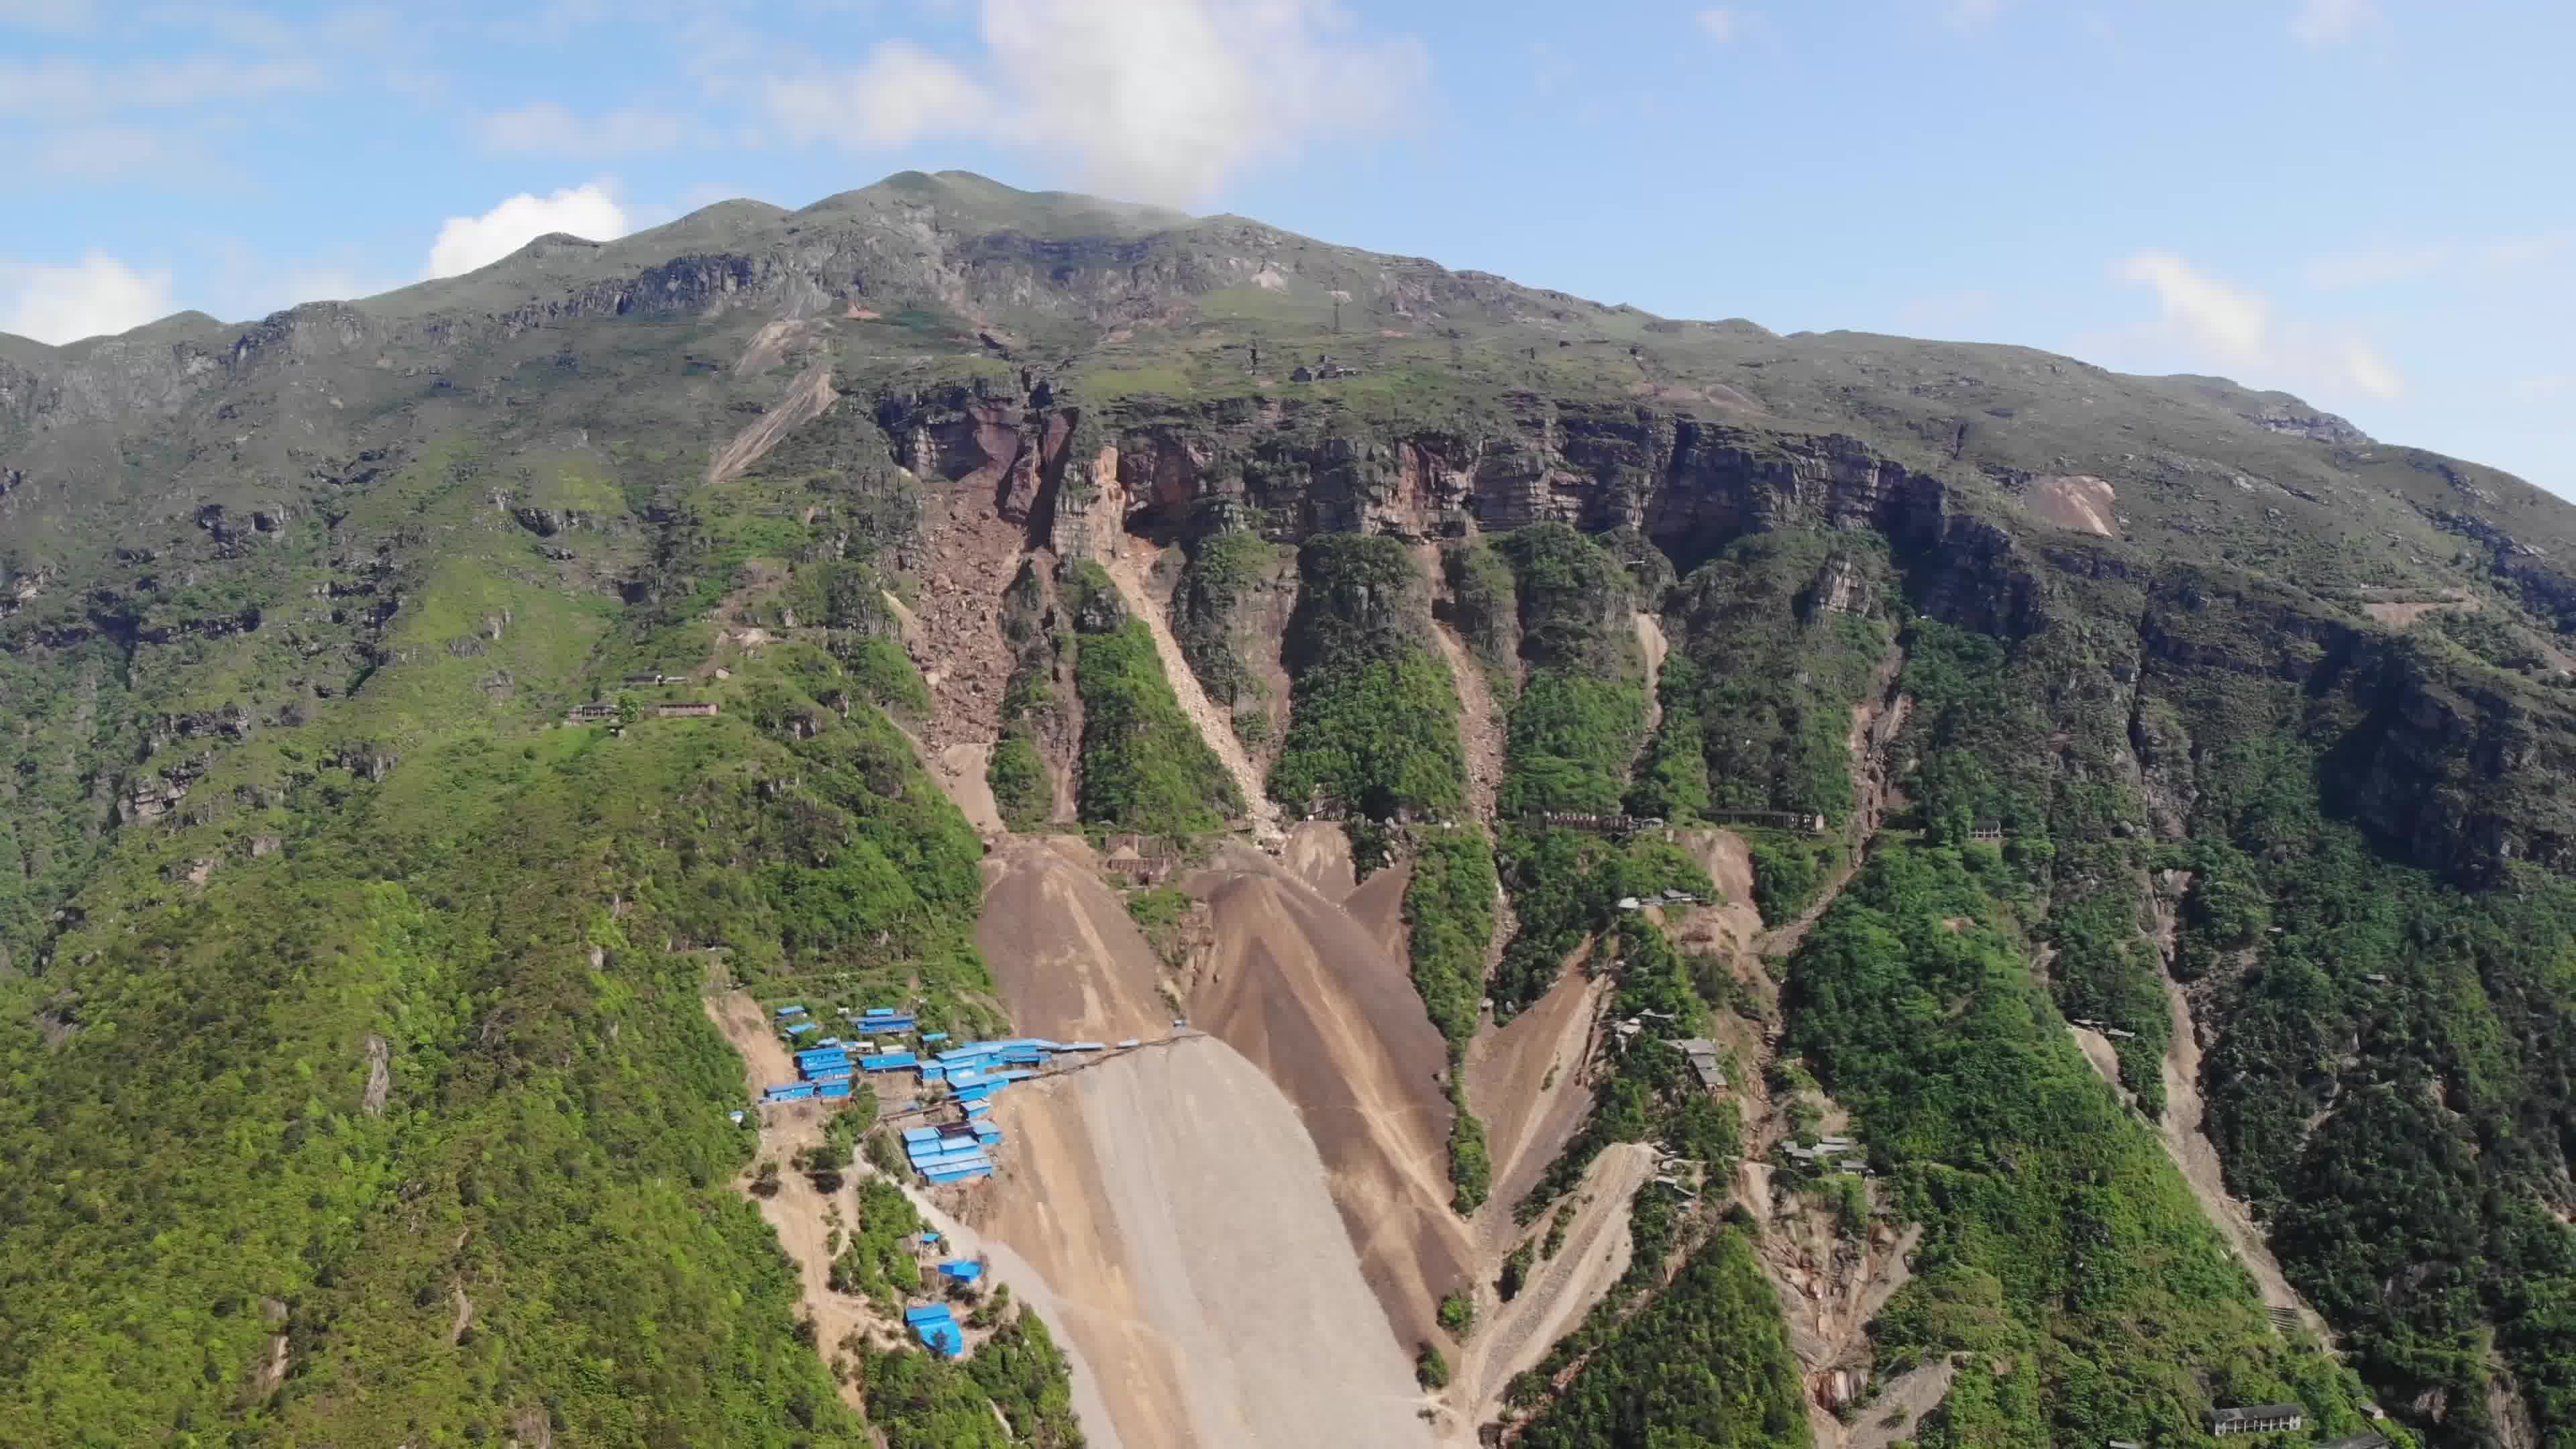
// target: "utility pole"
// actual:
[[1337, 316]]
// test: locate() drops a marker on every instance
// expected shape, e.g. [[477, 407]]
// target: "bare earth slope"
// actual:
[[1173, 1201], [1316, 1002], [1067, 958]]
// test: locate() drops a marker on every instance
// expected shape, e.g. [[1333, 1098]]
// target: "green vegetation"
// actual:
[[2391, 1089], [1431, 1367], [444, 1021], [1458, 1314], [1225, 573], [1566, 885], [1706, 1364], [1485, 608], [1581, 713], [1144, 766], [1449, 915], [876, 1260], [1672, 776], [1789, 870], [1648, 1092], [1375, 724], [1018, 779], [920, 1401], [2062, 1251], [1777, 669]]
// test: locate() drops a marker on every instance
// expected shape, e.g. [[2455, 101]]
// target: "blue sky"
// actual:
[[2362, 201]]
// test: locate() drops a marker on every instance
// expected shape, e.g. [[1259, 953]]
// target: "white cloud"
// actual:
[[1159, 100], [57, 86], [2227, 322], [468, 242], [547, 127], [2236, 329], [2378, 266], [2332, 22], [94, 296], [1721, 24], [901, 92]]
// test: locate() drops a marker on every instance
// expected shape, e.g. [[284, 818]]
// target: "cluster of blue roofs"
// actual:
[[937, 1328]]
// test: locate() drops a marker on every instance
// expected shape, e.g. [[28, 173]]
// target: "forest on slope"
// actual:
[[342, 983]]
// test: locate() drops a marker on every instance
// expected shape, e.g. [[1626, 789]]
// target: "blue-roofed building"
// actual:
[[964, 1270], [802, 1027], [880, 1011], [933, 1072], [921, 1134], [889, 1062], [840, 1088], [927, 1312], [934, 1036], [978, 1109], [972, 1093], [788, 1011]]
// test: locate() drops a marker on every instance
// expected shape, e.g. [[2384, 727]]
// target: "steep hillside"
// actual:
[[425, 704]]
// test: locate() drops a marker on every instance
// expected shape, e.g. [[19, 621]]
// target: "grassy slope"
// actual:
[[2063, 1252], [553, 1143]]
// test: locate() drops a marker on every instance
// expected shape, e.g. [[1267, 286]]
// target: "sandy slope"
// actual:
[[1174, 1202], [1480, 720], [1066, 956], [1529, 1118], [1513, 1336], [1305, 992], [1320, 855], [1651, 643]]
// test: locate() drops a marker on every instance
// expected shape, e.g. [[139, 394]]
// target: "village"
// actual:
[[937, 1097]]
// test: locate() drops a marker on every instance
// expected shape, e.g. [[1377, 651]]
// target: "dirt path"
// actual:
[[1514, 1336], [802, 1218], [806, 399], [1480, 721], [2185, 1139], [1128, 567], [1650, 640]]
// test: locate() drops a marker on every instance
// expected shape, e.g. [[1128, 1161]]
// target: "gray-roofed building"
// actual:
[[1707, 1059], [2258, 1419]]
